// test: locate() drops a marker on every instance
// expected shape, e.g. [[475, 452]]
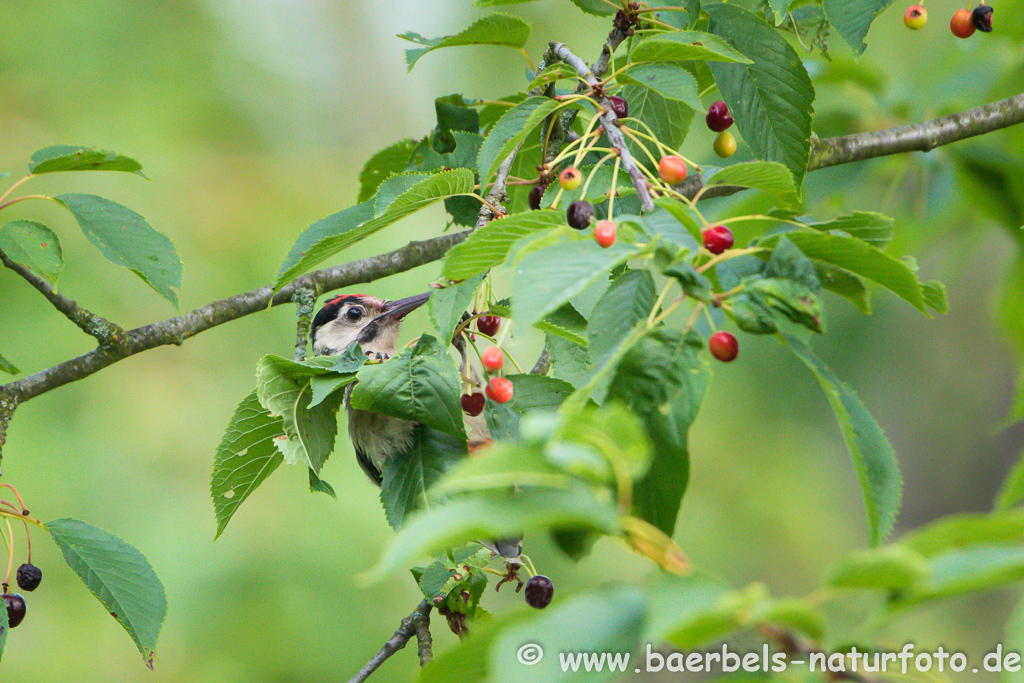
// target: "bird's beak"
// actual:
[[396, 310]]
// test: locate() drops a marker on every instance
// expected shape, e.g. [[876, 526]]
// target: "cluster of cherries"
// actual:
[[963, 24], [29, 577], [498, 389]]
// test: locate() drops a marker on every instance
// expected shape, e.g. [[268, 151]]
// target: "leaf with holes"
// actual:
[[419, 384], [119, 576], [770, 99], [284, 389], [74, 158], [126, 239], [245, 457], [494, 29]]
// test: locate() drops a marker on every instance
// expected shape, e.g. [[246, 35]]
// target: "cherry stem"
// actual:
[[25, 198], [16, 495], [613, 191], [10, 552], [13, 187]]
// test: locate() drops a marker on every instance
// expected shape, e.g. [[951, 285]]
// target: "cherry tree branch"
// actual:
[[177, 330], [416, 624], [609, 121], [914, 137]]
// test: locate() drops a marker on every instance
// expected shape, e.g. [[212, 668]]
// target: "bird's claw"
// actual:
[[511, 574]]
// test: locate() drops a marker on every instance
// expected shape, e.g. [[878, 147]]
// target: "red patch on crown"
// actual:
[[344, 297]]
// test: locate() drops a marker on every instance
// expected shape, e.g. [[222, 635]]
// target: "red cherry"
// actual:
[[723, 346], [961, 24], [672, 169], [570, 179], [488, 324], [604, 233], [473, 404], [718, 117], [492, 358], [499, 389], [717, 239]]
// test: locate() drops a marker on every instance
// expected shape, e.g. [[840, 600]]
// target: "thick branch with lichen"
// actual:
[[609, 121]]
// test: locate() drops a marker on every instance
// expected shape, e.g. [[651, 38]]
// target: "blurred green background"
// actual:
[[253, 120]]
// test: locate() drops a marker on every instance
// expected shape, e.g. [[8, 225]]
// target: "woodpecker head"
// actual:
[[372, 322]]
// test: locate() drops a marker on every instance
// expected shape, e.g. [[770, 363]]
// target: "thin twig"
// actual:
[[608, 122], [107, 333], [412, 625]]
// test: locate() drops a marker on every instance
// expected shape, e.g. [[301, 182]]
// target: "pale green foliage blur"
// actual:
[[253, 120]]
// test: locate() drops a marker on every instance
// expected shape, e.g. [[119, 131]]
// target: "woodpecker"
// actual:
[[375, 324]]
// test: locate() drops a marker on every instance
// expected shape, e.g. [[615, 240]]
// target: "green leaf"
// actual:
[[126, 239], [8, 367], [501, 466], [284, 390], [872, 454], [120, 578], [614, 432], [669, 80], [245, 457], [767, 176], [626, 303], [494, 516], [845, 284], [965, 570], [318, 485], [873, 228], [34, 246], [494, 29], [792, 299], [510, 130], [447, 305], [385, 163], [852, 18], [689, 612], [683, 46], [891, 567], [397, 197], [779, 9], [861, 259], [531, 392], [662, 380], [693, 284], [405, 479], [454, 114], [569, 361], [966, 529], [566, 322], [488, 246], [419, 384], [545, 279], [595, 7], [789, 263], [770, 99], [1011, 493], [608, 619], [494, 3], [74, 158]]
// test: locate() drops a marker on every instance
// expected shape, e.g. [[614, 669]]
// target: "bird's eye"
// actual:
[[353, 314]]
